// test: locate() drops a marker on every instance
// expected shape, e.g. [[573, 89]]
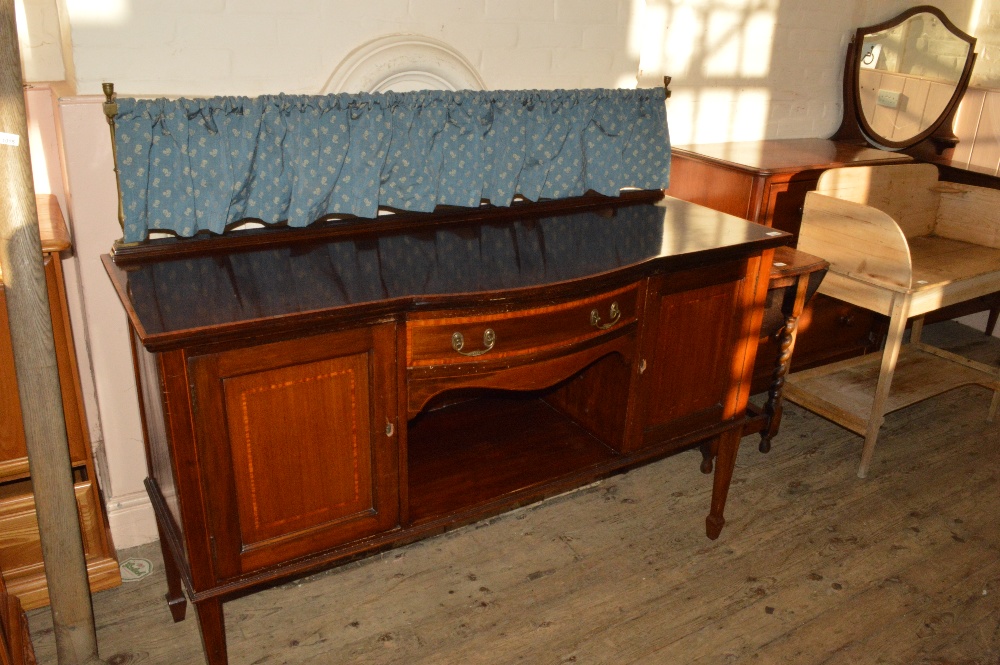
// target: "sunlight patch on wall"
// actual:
[[39, 164], [706, 38], [21, 20], [653, 28], [676, 51], [697, 116], [24, 37], [739, 43], [758, 35], [39, 40], [645, 29], [98, 12], [974, 17], [718, 53]]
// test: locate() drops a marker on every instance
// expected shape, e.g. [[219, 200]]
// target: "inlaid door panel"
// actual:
[[274, 416], [304, 435]]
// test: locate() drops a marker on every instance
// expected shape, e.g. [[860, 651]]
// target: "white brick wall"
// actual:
[[526, 11], [259, 46], [746, 71], [208, 47]]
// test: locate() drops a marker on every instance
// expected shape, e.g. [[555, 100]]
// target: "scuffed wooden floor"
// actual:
[[814, 566]]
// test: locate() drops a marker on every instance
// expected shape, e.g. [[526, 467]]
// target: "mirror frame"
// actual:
[[854, 125]]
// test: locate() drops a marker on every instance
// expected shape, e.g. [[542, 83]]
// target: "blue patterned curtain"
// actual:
[[190, 165]]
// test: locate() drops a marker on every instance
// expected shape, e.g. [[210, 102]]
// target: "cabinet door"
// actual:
[[298, 445], [695, 343]]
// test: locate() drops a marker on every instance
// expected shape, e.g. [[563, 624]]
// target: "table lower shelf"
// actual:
[[843, 391]]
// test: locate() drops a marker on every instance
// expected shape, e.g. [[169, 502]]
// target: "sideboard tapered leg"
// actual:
[[213, 630], [725, 462], [175, 594]]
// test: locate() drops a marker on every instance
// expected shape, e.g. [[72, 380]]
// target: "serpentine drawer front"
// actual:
[[508, 336]]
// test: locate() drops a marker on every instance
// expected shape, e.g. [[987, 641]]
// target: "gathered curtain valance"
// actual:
[[189, 165]]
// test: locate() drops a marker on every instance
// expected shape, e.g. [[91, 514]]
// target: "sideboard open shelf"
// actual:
[[467, 456]]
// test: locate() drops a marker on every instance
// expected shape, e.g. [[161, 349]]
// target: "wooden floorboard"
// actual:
[[813, 567]]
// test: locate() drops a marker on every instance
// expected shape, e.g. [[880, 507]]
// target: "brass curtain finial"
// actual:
[[666, 87], [110, 111]]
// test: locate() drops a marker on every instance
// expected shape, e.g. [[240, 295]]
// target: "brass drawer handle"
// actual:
[[595, 317], [489, 339]]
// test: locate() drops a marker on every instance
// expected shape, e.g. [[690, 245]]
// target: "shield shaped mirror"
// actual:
[[909, 74]]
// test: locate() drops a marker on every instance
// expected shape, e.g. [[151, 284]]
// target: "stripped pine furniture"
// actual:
[[902, 244]]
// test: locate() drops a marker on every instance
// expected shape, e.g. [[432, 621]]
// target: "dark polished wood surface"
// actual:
[[463, 457], [791, 155], [172, 301], [790, 262]]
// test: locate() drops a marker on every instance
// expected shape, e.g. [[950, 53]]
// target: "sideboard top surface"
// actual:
[[774, 156], [195, 298]]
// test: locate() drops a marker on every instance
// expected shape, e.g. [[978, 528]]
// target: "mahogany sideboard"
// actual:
[[20, 547], [766, 182], [317, 395]]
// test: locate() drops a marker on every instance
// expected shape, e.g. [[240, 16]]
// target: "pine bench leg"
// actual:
[[893, 342]]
